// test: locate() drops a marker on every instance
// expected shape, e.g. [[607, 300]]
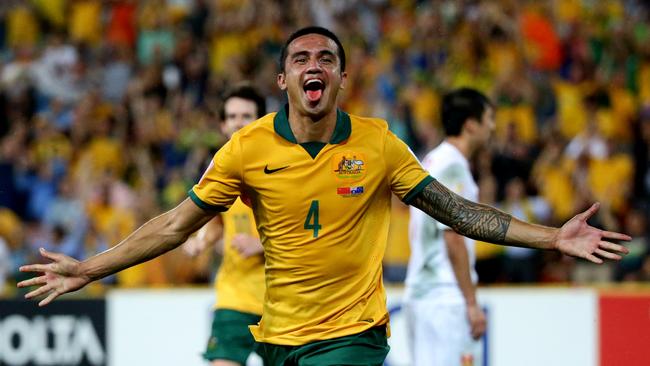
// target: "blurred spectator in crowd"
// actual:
[[552, 175], [521, 264], [5, 264], [117, 73], [641, 149], [636, 223], [22, 28], [642, 274], [589, 143], [38, 183], [489, 257], [64, 240], [58, 72], [12, 251]]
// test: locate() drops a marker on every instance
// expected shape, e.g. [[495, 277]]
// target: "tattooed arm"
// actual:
[[575, 238]]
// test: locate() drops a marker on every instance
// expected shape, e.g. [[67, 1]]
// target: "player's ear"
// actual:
[[344, 78], [282, 81], [222, 128], [470, 125]]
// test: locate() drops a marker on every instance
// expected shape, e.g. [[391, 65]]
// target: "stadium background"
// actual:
[[108, 112]]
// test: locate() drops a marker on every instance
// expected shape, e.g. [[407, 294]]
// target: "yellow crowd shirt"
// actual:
[[322, 212], [240, 281]]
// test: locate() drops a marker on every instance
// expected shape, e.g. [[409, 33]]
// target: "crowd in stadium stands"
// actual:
[[108, 114]]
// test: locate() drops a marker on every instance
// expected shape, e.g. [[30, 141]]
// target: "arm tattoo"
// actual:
[[468, 218]]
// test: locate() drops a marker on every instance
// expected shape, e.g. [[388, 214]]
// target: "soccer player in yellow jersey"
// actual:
[[240, 281], [320, 182]]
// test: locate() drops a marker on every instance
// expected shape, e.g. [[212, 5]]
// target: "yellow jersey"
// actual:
[[322, 212], [240, 281]]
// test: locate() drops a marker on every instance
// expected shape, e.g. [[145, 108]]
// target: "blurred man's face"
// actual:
[[238, 113], [312, 76]]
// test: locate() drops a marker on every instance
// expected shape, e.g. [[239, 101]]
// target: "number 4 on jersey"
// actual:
[[311, 222]]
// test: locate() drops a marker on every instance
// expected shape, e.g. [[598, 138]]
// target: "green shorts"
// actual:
[[368, 348], [231, 339]]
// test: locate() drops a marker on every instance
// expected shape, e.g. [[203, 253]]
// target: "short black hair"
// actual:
[[247, 92], [460, 105], [313, 30]]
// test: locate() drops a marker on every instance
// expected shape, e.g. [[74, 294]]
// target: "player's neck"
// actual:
[[462, 144], [305, 129]]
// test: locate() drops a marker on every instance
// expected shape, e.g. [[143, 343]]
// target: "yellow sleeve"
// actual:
[[406, 176], [220, 185]]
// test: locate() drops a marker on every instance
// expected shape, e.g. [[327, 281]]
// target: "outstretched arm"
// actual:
[[575, 238], [154, 238]]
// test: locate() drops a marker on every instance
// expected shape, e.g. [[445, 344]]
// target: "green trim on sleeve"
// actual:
[[205, 206], [417, 189]]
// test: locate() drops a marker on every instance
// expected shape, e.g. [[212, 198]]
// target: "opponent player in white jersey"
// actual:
[[440, 301]]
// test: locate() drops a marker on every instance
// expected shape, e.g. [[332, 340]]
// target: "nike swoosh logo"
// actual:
[[271, 171]]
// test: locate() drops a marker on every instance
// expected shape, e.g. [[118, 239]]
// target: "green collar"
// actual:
[[341, 131]]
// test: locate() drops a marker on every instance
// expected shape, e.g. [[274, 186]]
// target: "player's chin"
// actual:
[[315, 107]]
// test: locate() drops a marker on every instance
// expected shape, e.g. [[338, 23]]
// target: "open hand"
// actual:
[[58, 277], [578, 239], [247, 245], [193, 246]]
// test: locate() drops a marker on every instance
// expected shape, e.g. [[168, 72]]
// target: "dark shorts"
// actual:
[[231, 339], [367, 348]]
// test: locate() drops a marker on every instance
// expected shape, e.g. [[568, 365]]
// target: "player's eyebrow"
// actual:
[[307, 53], [299, 53], [327, 53]]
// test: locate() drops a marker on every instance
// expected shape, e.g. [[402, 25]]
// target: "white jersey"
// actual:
[[430, 273]]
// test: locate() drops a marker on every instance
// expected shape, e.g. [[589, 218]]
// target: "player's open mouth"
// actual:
[[314, 89]]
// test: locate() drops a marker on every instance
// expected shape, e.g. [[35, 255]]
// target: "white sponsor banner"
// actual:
[[158, 327], [541, 327], [526, 326]]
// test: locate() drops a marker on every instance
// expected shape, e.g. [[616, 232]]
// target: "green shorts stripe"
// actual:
[[231, 339], [367, 348]]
